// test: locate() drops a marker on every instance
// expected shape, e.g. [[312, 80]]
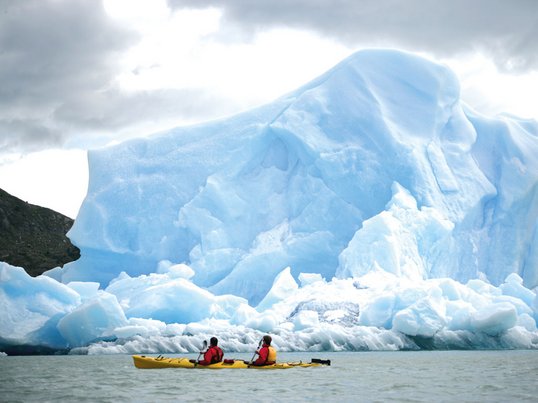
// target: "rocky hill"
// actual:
[[33, 237]]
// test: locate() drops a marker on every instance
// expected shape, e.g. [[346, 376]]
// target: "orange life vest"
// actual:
[[271, 356]]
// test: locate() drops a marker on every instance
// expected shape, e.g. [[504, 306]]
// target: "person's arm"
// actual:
[[208, 355], [262, 359]]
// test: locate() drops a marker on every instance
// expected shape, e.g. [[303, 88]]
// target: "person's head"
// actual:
[[213, 341], [267, 339]]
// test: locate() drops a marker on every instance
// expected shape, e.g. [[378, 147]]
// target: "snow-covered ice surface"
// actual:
[[369, 209]]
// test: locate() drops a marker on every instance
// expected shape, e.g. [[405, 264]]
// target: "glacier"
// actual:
[[369, 209]]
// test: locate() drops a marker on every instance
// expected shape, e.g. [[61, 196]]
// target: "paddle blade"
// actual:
[[204, 347], [320, 361]]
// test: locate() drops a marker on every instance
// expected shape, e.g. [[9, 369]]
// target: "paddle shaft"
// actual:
[[254, 355]]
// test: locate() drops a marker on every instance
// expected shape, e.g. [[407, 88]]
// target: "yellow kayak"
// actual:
[[144, 362]]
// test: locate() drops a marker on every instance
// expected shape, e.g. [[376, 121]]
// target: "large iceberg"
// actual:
[[368, 209]]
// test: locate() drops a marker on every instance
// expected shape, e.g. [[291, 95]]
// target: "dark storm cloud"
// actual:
[[113, 110], [58, 63], [50, 50], [27, 134], [59, 58], [506, 30]]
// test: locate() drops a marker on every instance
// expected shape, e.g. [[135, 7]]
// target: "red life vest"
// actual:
[[213, 355], [217, 354]]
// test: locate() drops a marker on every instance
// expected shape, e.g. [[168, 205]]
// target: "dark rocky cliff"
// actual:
[[33, 237]]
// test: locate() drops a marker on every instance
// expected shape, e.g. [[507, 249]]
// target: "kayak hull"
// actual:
[[145, 362]]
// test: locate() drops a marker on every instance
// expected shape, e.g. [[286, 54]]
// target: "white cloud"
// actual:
[[56, 179], [492, 92], [183, 50]]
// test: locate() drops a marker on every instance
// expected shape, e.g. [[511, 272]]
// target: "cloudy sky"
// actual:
[[81, 74]]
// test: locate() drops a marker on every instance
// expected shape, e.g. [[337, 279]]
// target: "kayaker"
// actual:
[[267, 354], [213, 354]]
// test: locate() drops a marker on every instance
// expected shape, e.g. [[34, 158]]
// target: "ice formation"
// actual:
[[369, 209]]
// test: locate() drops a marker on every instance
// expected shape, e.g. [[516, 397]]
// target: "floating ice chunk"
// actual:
[[171, 299], [163, 266], [15, 282], [329, 307], [518, 337], [335, 315], [265, 322], [176, 301], [175, 270], [283, 286], [125, 287], [121, 276], [306, 319], [132, 330], [364, 250], [401, 199], [309, 278], [401, 240], [142, 327], [31, 307], [494, 318], [526, 321], [243, 314], [535, 307], [422, 318], [94, 319], [55, 273], [379, 311], [181, 271], [173, 329], [225, 306], [452, 290], [513, 278], [520, 306], [458, 314], [483, 288], [409, 295], [514, 287], [86, 289], [377, 279]]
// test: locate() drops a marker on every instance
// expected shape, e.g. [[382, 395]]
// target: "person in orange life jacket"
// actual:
[[213, 354], [267, 354]]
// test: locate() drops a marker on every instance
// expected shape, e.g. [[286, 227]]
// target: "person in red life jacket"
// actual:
[[213, 354], [267, 354]]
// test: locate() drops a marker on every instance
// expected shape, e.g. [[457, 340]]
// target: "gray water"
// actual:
[[438, 376]]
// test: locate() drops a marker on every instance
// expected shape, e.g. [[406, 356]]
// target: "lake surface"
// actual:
[[425, 376]]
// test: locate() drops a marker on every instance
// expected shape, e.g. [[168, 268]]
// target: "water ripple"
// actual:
[[441, 376]]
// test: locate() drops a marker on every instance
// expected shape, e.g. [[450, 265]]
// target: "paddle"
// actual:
[[320, 361], [254, 355], [202, 351]]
